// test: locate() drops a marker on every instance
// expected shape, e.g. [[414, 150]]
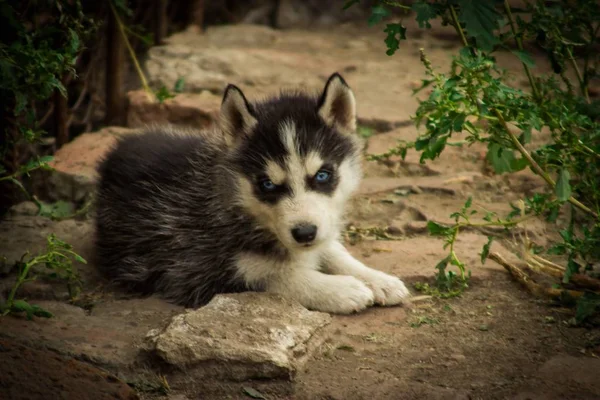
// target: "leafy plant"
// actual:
[[34, 63], [58, 259], [475, 98]]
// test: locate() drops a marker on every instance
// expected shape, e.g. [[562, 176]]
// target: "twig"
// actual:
[[556, 270], [529, 283], [49, 112], [519, 43], [582, 85], [132, 53], [457, 26], [536, 167]]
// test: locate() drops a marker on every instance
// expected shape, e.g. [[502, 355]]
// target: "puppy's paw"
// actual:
[[346, 295], [387, 289]]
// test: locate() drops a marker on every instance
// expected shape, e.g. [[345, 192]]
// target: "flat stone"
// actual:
[[416, 227], [240, 336], [75, 163], [185, 109], [378, 184]]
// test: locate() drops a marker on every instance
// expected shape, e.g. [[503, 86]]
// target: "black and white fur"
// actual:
[[256, 204]]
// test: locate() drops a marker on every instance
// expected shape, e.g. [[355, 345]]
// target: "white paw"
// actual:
[[346, 295], [387, 289]]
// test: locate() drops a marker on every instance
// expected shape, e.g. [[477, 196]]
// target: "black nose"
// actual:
[[304, 233]]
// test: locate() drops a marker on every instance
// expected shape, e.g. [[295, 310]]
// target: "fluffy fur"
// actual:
[[256, 204]]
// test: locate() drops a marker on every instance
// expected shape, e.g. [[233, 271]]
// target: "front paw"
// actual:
[[346, 295], [387, 289]]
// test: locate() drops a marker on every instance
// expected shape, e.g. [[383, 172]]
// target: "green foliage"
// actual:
[[34, 61], [33, 64], [395, 33], [58, 262], [480, 20], [474, 97]]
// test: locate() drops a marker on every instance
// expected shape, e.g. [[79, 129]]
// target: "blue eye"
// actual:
[[322, 176], [267, 185]]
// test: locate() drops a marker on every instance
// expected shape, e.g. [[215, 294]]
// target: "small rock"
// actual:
[[35, 290], [415, 189], [75, 164], [24, 208], [395, 230], [240, 336], [458, 357], [416, 227], [293, 14], [191, 110]]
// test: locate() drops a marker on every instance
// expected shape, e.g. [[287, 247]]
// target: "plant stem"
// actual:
[[396, 4], [582, 85], [536, 167], [132, 52], [519, 43], [499, 223], [457, 26], [20, 280]]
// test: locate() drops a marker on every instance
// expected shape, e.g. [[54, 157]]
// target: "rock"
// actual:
[[75, 164], [373, 185], [31, 374], [23, 234], [293, 14], [415, 227], [24, 208], [240, 336], [257, 71], [185, 109]]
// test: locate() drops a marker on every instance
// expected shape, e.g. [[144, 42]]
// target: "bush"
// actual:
[[474, 98]]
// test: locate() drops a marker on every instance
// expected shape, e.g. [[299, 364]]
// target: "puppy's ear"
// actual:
[[236, 117], [337, 106]]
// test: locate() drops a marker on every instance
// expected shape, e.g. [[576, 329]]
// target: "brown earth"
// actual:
[[495, 341]]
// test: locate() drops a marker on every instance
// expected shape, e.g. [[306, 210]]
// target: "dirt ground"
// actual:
[[495, 341]]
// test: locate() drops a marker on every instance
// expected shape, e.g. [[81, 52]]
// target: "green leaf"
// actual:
[[365, 131], [469, 202], [525, 57], [395, 33], [425, 12], [587, 305], [350, 3], [58, 210], [179, 85], [163, 94], [40, 312], [378, 13], [29, 310], [518, 164], [255, 394], [481, 20], [20, 306], [488, 216], [573, 267], [563, 188], [485, 252], [436, 229], [80, 259], [503, 159]]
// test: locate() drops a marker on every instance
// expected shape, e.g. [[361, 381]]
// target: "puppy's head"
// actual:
[[296, 160]]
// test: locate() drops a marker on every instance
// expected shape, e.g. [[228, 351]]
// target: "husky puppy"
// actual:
[[255, 204]]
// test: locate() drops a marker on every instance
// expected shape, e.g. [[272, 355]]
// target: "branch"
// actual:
[[536, 167]]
